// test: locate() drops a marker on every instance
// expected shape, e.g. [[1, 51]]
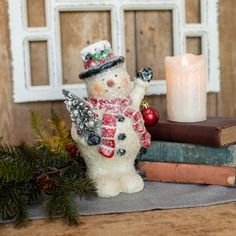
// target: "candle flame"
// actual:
[[184, 61]]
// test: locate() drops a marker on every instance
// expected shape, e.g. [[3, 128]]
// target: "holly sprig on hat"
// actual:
[[98, 56]]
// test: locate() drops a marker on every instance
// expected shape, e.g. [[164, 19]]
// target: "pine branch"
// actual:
[[14, 171], [39, 129], [21, 152], [84, 187], [57, 125], [62, 199], [51, 170], [48, 160], [7, 204], [36, 122], [25, 152], [13, 204], [75, 170], [81, 186], [63, 203], [62, 132], [20, 218], [7, 151], [14, 163], [58, 142]]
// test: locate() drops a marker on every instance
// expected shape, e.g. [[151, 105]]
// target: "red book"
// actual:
[[215, 132], [188, 173]]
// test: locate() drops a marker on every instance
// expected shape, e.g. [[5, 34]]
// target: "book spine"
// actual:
[[187, 173], [208, 136], [190, 154]]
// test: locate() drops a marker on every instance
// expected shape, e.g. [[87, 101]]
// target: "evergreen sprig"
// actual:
[[50, 172], [21, 202], [53, 133], [14, 200], [62, 203], [20, 169]]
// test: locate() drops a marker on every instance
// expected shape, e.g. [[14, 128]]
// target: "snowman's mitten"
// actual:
[[145, 74], [93, 139]]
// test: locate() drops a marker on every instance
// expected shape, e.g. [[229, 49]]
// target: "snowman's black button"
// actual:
[[93, 139], [121, 136], [120, 118], [121, 152]]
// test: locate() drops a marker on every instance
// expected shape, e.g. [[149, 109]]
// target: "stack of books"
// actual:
[[199, 152]]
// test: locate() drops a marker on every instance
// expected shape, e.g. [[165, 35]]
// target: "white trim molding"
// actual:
[[21, 35]]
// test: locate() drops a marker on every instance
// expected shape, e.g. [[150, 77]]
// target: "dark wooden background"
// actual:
[[148, 41]]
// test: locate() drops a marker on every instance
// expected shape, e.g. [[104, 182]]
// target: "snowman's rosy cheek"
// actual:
[[126, 80], [97, 88]]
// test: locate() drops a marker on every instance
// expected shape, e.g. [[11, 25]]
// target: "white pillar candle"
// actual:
[[186, 88]]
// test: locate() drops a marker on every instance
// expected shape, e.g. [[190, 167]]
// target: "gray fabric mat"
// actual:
[[154, 196]]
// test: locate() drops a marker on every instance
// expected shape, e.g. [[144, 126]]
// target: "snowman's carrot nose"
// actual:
[[110, 83]]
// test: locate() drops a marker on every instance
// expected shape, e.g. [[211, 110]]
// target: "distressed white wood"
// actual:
[[21, 35]]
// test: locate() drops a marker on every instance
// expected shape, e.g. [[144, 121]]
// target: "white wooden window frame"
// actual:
[[21, 35]]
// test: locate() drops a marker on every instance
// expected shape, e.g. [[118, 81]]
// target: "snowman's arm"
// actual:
[[138, 92]]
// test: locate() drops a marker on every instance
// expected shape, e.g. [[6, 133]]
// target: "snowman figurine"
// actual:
[[108, 126]]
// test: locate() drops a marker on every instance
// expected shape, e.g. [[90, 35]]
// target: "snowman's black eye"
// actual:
[[116, 75]]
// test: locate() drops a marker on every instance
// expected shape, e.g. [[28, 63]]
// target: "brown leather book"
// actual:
[[215, 132], [187, 173]]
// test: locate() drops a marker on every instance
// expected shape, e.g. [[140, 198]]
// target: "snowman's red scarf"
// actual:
[[113, 108]]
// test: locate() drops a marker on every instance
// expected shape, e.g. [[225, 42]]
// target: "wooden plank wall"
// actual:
[[148, 41]]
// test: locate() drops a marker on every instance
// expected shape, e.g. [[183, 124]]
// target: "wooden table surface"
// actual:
[[213, 220]]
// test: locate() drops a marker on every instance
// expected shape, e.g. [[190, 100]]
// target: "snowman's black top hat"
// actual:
[[98, 57]]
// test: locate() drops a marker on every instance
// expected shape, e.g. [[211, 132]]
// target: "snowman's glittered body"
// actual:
[[110, 154]]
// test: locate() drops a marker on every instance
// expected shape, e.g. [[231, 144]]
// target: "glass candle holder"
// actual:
[[186, 88]]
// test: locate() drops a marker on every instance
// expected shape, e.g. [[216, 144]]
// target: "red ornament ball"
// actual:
[[150, 116]]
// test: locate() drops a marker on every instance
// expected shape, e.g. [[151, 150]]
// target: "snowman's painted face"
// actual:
[[112, 83]]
